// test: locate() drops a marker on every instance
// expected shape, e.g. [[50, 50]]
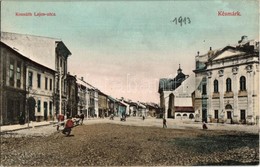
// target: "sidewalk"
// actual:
[[10, 128]]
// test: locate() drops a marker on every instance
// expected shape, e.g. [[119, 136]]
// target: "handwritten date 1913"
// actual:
[[181, 20]]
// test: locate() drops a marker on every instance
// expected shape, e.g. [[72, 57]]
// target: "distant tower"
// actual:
[[179, 70]]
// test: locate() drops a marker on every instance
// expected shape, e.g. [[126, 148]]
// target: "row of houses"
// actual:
[[36, 85], [223, 88]]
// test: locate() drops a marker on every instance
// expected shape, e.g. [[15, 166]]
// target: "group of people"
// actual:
[[69, 123]]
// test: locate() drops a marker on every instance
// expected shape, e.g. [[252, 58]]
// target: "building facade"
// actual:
[[40, 91], [72, 95], [166, 88], [228, 80], [36, 67], [12, 86]]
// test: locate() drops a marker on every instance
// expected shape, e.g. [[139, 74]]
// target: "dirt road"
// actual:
[[121, 145]]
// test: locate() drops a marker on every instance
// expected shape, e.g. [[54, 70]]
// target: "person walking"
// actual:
[[164, 123], [82, 116], [204, 125]]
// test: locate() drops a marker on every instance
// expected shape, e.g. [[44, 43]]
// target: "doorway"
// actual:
[[204, 115], [243, 116], [45, 106], [31, 108]]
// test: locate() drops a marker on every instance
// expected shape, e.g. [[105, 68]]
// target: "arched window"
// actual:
[[228, 85], [185, 115], [242, 83], [178, 115], [215, 86]]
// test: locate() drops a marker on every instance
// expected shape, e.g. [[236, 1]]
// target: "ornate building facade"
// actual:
[[228, 80]]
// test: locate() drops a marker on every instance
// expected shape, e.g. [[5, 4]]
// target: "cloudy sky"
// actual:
[[124, 47]]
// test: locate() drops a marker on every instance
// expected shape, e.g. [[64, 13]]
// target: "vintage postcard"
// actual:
[[129, 83]]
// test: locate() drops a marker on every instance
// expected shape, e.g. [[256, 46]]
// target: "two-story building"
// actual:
[[12, 86], [42, 57]]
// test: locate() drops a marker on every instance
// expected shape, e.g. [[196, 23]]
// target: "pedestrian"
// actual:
[[112, 117], [204, 125], [164, 123], [143, 117], [82, 116]]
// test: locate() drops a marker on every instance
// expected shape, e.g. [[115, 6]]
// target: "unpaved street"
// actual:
[[120, 145]]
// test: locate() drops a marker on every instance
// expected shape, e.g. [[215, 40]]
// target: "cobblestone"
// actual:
[[109, 144]]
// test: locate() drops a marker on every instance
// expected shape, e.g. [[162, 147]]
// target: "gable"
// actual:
[[227, 53]]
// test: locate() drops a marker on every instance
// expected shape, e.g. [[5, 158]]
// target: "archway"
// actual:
[[31, 108], [229, 110], [191, 116]]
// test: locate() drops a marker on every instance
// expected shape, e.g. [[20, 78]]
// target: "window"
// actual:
[[215, 86], [228, 85], [242, 83], [50, 84], [39, 80], [18, 75], [39, 106], [46, 83], [30, 79], [11, 72], [204, 89], [216, 114]]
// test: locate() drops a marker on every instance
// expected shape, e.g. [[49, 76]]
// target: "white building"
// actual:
[[228, 81], [166, 89]]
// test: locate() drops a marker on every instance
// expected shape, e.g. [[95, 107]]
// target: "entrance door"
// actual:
[[229, 115], [243, 116], [204, 115], [45, 105], [10, 111]]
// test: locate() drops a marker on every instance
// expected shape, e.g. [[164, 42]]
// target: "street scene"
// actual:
[[129, 83], [135, 142]]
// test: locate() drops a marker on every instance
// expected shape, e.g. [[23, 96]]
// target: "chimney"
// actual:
[[198, 53], [82, 79], [210, 48], [68, 73]]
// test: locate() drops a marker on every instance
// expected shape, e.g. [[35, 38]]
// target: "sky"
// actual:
[[124, 47]]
